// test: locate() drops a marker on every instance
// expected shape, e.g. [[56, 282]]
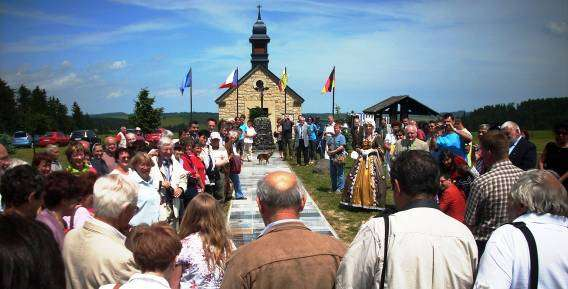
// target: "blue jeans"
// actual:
[[337, 177], [237, 185]]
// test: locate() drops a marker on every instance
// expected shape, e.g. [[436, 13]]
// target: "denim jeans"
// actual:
[[337, 177], [237, 185]]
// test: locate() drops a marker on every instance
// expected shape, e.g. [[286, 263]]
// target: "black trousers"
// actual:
[[302, 149]]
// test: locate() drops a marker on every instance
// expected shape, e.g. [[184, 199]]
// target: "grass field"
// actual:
[[347, 222]]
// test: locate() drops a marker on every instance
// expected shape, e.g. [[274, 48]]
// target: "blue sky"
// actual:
[[451, 55]]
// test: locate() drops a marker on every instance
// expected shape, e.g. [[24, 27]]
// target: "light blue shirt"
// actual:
[[506, 260], [148, 202], [451, 142], [312, 130], [243, 128]]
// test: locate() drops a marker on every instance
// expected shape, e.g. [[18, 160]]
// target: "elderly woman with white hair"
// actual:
[[95, 254], [366, 182], [531, 252]]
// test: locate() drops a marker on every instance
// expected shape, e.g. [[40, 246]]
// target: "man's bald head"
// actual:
[[4, 157], [110, 143], [280, 190]]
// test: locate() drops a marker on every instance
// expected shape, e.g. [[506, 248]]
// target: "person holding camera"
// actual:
[[450, 139]]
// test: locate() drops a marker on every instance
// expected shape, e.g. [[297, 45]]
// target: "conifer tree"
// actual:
[[145, 116]]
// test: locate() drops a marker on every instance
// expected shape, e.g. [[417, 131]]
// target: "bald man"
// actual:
[[108, 154], [7, 162], [286, 254], [410, 143]]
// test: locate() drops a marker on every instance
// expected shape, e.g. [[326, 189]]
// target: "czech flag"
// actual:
[[330, 83], [231, 80]]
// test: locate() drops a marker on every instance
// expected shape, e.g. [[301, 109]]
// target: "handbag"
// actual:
[[166, 204], [340, 158], [235, 164]]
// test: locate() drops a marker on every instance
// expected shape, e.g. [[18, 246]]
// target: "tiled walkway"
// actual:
[[244, 219]]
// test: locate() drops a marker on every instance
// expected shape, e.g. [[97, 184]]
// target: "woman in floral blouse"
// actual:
[[205, 245]]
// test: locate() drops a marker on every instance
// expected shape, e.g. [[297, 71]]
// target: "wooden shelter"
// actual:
[[399, 107]]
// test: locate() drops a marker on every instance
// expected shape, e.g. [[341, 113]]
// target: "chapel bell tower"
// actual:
[[259, 42]]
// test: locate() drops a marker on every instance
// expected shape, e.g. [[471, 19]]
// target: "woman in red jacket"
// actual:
[[194, 166], [451, 200]]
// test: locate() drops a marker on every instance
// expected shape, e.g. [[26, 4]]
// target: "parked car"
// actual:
[[53, 137], [22, 139], [86, 135], [154, 137]]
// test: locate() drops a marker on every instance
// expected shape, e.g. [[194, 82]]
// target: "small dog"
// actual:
[[265, 157]]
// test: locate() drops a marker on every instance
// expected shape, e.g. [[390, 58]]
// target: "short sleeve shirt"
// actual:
[[337, 141]]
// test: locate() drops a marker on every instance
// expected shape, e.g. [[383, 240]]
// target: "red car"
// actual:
[[53, 137], [154, 137]]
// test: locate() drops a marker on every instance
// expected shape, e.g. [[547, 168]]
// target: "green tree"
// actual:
[[77, 116], [145, 116], [24, 109], [8, 109], [57, 113]]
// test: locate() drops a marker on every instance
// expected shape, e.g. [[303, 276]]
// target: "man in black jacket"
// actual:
[[522, 152]]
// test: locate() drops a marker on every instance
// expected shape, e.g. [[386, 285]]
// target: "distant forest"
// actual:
[[34, 112], [532, 114]]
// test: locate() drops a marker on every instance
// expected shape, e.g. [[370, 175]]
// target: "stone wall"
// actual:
[[249, 98]]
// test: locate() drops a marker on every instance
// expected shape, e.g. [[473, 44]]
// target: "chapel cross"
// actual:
[[260, 88]]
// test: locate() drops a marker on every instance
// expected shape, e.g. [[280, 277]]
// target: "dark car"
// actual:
[[86, 135], [53, 137], [22, 139]]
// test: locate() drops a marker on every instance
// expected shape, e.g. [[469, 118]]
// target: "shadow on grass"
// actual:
[[345, 222]]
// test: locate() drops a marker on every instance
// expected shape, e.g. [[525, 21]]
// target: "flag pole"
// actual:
[[285, 100], [333, 101], [191, 102], [237, 91]]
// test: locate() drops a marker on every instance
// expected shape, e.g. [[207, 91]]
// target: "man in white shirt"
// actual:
[[220, 159], [425, 247], [541, 203]]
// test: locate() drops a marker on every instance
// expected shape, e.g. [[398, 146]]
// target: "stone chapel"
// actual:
[[259, 78]]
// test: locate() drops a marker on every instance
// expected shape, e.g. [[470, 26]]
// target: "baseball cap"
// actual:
[[215, 135]]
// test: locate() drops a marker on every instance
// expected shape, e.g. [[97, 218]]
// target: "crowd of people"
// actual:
[[131, 214]]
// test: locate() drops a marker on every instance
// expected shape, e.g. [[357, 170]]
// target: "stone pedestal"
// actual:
[[264, 139]]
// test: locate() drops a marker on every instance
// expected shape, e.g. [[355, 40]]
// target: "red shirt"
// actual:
[[194, 165], [420, 134], [452, 203]]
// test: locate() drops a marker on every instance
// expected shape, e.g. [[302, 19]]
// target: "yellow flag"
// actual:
[[283, 80]]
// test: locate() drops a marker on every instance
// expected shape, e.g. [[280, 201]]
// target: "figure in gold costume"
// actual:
[[366, 182]]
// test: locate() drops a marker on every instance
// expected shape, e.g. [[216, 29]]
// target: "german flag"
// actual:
[[329, 83]]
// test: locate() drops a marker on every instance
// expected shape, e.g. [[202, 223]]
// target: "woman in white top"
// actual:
[[148, 197], [250, 133], [154, 248], [205, 245]]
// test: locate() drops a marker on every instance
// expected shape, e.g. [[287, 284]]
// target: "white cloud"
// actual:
[[119, 64], [166, 93], [66, 64], [558, 27], [42, 16], [115, 94], [63, 81], [61, 42]]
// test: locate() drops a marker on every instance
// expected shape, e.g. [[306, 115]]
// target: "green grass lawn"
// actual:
[[345, 222]]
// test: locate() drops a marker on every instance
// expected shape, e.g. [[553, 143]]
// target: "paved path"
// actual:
[[244, 219]]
